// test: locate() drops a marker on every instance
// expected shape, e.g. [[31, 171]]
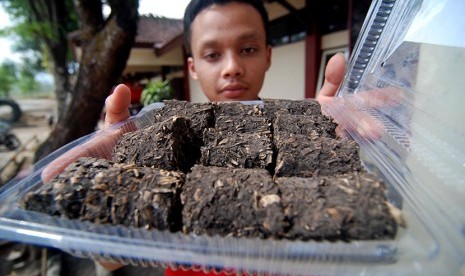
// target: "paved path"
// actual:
[[34, 122]]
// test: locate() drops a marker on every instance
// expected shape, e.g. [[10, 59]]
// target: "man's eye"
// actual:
[[249, 50], [211, 56]]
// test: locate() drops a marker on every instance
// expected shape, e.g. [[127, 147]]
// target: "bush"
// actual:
[[156, 92]]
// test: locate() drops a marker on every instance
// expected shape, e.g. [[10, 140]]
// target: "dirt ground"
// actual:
[[32, 129], [35, 118]]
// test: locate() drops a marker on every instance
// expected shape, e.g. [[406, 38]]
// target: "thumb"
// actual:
[[117, 105], [334, 74]]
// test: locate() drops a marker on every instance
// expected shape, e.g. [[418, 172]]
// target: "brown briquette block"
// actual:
[[300, 155], [295, 107], [236, 108], [346, 207], [237, 150], [200, 114], [166, 145], [243, 123], [100, 191], [231, 202], [312, 126]]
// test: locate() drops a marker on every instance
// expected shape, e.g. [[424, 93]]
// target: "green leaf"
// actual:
[[157, 91]]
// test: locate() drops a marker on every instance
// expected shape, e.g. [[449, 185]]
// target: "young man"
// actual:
[[227, 41]]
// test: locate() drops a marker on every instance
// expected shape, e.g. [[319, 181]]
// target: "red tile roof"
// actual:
[[156, 32], [152, 32]]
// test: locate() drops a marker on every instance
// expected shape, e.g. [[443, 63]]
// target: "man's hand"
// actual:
[[334, 74], [349, 108], [117, 110], [117, 105]]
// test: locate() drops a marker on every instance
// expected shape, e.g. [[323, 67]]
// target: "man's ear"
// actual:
[[191, 67], [268, 56]]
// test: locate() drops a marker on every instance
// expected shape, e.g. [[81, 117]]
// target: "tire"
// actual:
[[9, 111], [12, 142]]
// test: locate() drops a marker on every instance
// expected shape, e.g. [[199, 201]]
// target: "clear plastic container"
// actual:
[[177, 250], [407, 136], [406, 82]]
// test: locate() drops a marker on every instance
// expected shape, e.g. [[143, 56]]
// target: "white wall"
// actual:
[[286, 77], [335, 40], [284, 80], [197, 95]]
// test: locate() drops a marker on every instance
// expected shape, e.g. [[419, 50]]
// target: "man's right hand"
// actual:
[[117, 110], [334, 75], [365, 125], [117, 105]]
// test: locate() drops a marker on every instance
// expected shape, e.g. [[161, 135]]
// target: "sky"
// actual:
[[171, 9], [6, 43]]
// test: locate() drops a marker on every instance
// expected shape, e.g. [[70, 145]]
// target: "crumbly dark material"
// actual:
[[274, 170], [231, 202], [100, 191], [236, 150], [167, 145], [302, 156], [200, 114], [307, 107], [235, 117], [350, 206], [243, 124], [312, 126], [73, 189], [241, 138], [237, 109]]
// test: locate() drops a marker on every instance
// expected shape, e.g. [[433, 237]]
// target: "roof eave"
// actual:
[[174, 43]]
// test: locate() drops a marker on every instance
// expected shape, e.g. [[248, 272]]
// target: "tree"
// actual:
[[7, 77], [106, 44], [42, 27], [26, 81]]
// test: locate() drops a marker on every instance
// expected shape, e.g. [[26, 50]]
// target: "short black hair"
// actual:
[[196, 6]]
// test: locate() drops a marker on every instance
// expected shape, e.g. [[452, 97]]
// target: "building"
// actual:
[[304, 35]]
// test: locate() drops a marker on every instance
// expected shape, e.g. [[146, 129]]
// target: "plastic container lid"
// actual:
[[406, 80]]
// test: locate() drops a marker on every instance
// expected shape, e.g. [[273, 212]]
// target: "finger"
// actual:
[[365, 127], [380, 97], [58, 165], [100, 146], [368, 127], [117, 105], [108, 266], [341, 132], [347, 113], [334, 74]]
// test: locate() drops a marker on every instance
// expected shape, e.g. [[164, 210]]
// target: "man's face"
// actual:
[[229, 52]]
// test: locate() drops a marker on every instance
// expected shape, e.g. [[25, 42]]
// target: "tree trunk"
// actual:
[[60, 76], [106, 46], [55, 12]]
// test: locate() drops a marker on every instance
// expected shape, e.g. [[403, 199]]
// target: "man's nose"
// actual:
[[233, 66]]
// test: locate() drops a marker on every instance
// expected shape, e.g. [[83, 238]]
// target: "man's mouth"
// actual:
[[233, 91]]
